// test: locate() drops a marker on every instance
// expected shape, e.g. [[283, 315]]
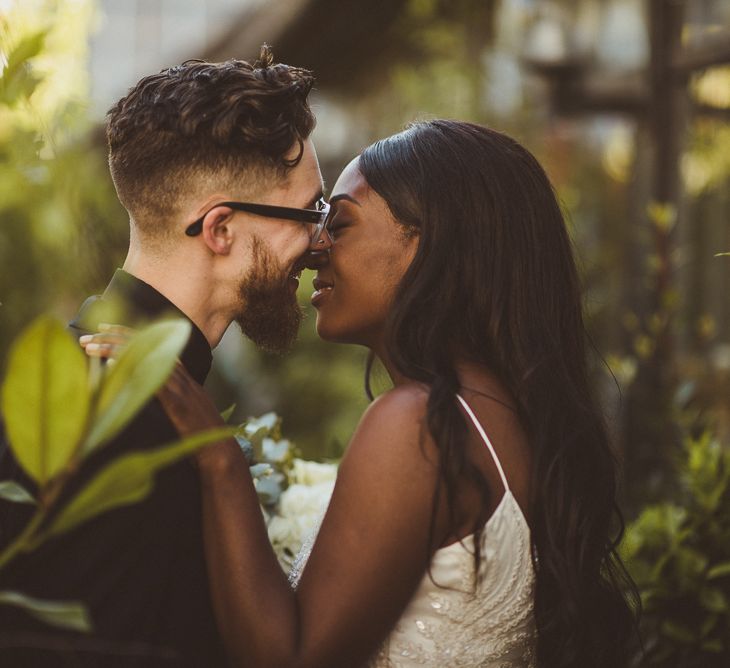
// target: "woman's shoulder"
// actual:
[[407, 399], [393, 429]]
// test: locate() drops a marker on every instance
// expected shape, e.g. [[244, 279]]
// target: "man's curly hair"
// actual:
[[230, 122]]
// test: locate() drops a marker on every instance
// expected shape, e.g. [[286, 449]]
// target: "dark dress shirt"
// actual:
[[139, 569]]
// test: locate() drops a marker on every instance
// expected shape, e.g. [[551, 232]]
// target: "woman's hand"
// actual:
[[187, 404], [108, 343]]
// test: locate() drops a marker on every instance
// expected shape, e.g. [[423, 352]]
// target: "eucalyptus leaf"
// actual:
[[63, 614], [45, 398], [141, 370], [275, 451], [12, 491], [246, 448], [261, 470], [269, 488], [128, 479]]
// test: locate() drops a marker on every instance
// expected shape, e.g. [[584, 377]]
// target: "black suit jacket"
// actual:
[[139, 569]]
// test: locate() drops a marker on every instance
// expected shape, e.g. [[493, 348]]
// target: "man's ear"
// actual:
[[217, 231]]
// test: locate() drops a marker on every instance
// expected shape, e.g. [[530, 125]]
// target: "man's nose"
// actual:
[[315, 259], [323, 243]]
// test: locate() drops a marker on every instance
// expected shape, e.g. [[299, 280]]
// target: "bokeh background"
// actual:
[[625, 102]]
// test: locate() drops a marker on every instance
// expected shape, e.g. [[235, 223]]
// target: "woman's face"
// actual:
[[369, 255]]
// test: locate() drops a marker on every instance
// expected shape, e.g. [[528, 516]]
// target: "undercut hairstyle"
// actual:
[[494, 281], [230, 124]]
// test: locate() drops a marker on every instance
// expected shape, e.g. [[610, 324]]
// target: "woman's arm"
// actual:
[[370, 554]]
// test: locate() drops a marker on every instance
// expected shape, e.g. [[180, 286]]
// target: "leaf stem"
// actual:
[[23, 540]]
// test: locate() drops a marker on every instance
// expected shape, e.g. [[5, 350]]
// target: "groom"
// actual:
[[203, 157]]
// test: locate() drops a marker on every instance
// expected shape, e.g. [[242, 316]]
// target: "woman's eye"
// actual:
[[336, 228]]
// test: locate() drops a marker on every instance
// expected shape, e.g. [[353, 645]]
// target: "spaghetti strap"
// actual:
[[485, 438]]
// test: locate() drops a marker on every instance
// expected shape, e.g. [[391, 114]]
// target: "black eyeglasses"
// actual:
[[316, 216]]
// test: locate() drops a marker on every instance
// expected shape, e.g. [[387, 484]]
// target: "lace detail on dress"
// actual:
[[300, 561], [448, 623], [492, 627]]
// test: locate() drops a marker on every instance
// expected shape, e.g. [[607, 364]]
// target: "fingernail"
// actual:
[[86, 338], [93, 347]]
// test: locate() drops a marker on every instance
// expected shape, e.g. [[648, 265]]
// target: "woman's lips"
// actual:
[[321, 290]]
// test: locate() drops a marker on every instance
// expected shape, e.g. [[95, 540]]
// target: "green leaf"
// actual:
[[12, 491], [709, 624], [128, 479], [678, 632], [141, 370], [718, 571], [45, 398], [28, 47], [17, 81], [63, 614], [715, 646], [226, 414], [713, 600]]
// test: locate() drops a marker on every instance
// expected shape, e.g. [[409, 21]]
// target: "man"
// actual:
[[203, 157]]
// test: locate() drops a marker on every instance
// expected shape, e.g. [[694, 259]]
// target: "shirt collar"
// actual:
[[141, 303]]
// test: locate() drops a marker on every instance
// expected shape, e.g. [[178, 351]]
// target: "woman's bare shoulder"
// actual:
[[392, 431]]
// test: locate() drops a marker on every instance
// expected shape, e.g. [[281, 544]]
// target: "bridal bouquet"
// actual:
[[293, 492]]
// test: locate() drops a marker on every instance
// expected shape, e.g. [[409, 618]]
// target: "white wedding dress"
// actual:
[[448, 623]]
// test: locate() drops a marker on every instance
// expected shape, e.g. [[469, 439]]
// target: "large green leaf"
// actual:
[[45, 398], [64, 614], [140, 371], [12, 491], [128, 479]]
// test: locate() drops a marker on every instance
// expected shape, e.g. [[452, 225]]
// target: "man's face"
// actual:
[[268, 312]]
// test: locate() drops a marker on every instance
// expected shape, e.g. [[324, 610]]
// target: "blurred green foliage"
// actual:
[[57, 411], [678, 553], [63, 230]]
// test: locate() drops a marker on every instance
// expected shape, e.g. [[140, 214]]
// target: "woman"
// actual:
[[472, 519]]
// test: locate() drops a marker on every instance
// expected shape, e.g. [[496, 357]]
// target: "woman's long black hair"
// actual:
[[494, 282]]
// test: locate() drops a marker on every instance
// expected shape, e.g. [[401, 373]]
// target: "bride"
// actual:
[[473, 521]]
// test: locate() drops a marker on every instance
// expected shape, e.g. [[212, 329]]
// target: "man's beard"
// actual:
[[269, 314]]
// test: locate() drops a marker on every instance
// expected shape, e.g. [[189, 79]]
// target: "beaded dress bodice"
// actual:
[[449, 621]]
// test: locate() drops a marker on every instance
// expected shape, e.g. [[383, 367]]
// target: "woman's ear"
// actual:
[[217, 231]]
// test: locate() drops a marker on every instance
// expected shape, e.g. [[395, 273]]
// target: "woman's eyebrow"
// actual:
[[349, 198]]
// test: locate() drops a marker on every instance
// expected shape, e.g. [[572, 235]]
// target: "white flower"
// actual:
[[305, 501], [282, 531], [312, 473]]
